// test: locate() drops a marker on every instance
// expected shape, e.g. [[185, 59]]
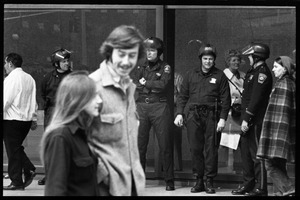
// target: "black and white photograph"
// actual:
[[136, 99]]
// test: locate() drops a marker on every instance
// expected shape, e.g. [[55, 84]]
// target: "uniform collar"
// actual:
[[260, 63], [55, 72], [154, 65], [211, 71]]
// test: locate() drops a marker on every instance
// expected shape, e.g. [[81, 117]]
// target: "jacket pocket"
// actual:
[[111, 127], [83, 161]]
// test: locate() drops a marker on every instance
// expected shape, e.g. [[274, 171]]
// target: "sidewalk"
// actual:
[[153, 188]]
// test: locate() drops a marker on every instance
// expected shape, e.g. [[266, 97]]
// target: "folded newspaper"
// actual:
[[230, 140]]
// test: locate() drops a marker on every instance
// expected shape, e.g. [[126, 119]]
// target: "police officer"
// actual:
[[61, 61], [153, 82], [257, 88], [205, 96]]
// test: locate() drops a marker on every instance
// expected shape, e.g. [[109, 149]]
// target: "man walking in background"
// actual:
[[19, 116]]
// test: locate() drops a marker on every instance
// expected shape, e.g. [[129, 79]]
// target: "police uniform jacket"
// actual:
[[114, 139], [49, 86], [257, 88], [158, 78], [199, 88]]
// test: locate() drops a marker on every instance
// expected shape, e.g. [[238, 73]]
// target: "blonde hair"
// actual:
[[177, 81], [73, 95]]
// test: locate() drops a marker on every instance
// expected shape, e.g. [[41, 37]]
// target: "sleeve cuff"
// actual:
[[248, 116]]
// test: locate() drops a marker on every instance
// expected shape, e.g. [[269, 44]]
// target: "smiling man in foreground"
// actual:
[[114, 140]]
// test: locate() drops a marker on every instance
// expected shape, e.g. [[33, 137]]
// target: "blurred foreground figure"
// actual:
[[70, 166], [114, 138]]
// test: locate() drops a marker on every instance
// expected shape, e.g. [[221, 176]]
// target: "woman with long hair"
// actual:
[[178, 78], [70, 167], [277, 141]]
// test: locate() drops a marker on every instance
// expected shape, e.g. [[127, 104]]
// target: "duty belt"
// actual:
[[151, 99], [201, 110]]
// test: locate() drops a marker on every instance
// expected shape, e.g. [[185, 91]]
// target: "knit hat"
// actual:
[[288, 64]]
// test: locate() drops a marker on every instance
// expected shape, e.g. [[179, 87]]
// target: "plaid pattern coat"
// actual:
[[279, 125]]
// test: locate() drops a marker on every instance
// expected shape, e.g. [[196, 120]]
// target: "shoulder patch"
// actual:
[[261, 78], [167, 69]]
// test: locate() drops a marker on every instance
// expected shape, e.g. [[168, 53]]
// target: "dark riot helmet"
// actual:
[[207, 50], [59, 55], [259, 50], [155, 43]]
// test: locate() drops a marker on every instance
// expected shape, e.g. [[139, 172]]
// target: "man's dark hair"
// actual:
[[123, 37], [15, 59]]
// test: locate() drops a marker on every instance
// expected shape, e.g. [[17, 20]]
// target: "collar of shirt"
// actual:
[[229, 74], [116, 77], [16, 70], [112, 78], [73, 128]]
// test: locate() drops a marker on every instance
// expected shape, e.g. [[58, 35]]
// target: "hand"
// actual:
[[221, 125], [142, 81], [178, 121], [244, 126], [33, 125]]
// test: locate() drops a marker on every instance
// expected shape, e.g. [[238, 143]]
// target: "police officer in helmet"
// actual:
[[203, 103], [61, 61], [257, 88], [153, 82]]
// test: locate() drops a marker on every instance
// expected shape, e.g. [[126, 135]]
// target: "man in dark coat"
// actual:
[[61, 61], [153, 84]]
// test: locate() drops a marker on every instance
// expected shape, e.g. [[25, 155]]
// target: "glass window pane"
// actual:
[[35, 33], [231, 28]]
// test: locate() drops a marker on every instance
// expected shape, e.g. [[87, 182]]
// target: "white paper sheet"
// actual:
[[230, 140]]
